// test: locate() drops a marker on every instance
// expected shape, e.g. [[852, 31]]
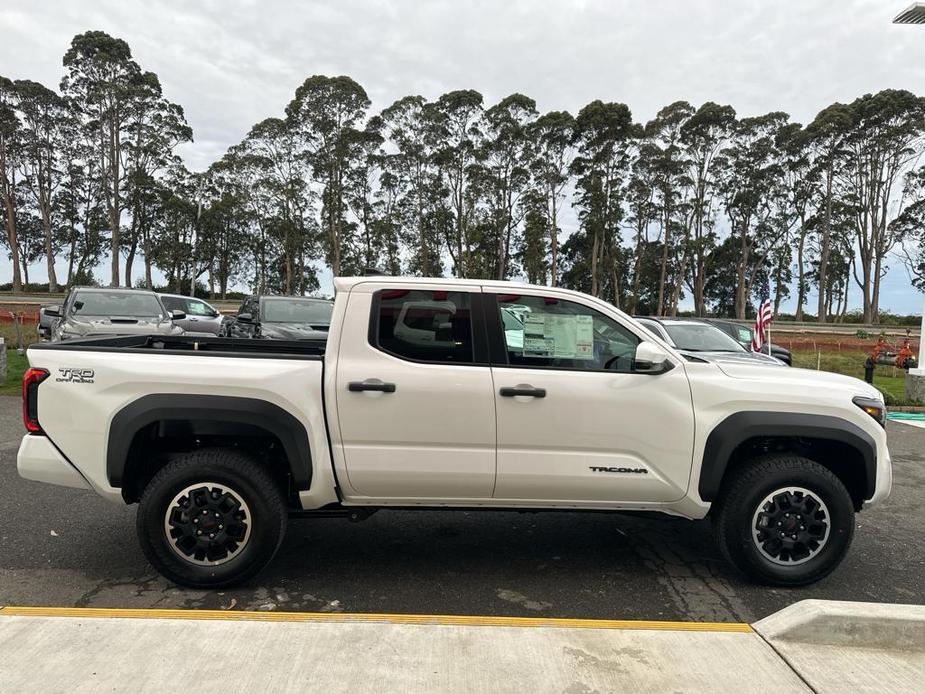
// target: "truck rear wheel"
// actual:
[[784, 520], [211, 518]]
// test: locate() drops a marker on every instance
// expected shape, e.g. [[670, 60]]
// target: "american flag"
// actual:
[[762, 321]]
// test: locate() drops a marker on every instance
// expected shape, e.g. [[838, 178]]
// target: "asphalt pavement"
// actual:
[[62, 547]]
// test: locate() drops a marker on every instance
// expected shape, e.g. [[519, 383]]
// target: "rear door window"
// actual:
[[423, 325]]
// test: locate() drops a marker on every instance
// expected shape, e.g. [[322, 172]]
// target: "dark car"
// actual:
[[92, 311], [743, 335], [281, 318]]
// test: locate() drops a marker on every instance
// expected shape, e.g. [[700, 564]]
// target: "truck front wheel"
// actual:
[[784, 520], [211, 518]]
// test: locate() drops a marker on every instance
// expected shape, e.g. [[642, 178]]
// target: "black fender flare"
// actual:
[[741, 426], [148, 409]]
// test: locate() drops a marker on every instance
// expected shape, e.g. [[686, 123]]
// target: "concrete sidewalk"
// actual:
[[60, 649]]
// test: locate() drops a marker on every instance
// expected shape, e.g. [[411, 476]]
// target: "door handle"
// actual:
[[523, 391], [368, 384]]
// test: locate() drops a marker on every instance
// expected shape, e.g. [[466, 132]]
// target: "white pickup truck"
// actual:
[[220, 441]]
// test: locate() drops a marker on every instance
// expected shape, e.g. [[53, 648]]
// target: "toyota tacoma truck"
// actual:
[[424, 396]]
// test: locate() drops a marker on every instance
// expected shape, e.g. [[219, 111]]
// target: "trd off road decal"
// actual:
[[75, 376]]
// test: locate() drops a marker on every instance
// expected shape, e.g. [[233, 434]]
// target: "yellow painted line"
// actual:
[[340, 617]]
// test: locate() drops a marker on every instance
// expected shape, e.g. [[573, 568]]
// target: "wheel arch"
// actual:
[[842, 446], [229, 416]]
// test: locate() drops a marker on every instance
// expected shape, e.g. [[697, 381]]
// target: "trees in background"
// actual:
[[696, 202]]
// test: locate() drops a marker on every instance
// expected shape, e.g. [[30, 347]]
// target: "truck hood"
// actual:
[[116, 325], [735, 357], [800, 378]]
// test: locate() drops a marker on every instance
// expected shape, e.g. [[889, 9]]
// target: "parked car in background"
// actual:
[[45, 324], [281, 318], [88, 311], [201, 317], [695, 337], [743, 335]]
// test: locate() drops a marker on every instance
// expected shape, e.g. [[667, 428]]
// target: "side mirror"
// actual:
[[246, 317], [177, 314], [53, 311], [651, 359], [214, 313]]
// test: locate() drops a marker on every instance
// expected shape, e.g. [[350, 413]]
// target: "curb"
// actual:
[[839, 623], [347, 617]]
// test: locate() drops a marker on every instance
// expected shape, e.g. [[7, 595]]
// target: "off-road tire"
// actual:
[[744, 490], [235, 471]]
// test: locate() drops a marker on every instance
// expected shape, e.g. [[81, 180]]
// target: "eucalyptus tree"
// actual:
[[704, 136], [326, 113], [409, 190], [643, 213], [455, 121], [100, 81], [801, 190], [534, 248], [886, 136], [663, 154], [603, 132], [82, 212], [752, 190], [826, 135], [45, 121], [173, 249], [281, 173], [154, 129], [910, 226], [552, 136], [224, 225], [373, 238], [504, 160], [10, 152]]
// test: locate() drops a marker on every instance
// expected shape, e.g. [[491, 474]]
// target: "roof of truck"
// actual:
[[346, 283]]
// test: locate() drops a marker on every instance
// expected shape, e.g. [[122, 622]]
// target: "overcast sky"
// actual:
[[231, 63]]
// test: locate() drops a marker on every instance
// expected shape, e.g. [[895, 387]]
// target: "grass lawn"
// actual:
[[15, 366], [890, 380]]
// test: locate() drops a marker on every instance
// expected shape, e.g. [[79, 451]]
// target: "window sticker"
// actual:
[[558, 336]]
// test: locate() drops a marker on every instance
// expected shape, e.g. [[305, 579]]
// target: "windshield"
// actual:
[[108, 304], [700, 337], [297, 311]]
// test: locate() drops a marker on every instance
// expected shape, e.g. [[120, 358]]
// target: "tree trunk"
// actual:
[[49, 250], [115, 210], [801, 286], [554, 242], [12, 241], [595, 250], [824, 244]]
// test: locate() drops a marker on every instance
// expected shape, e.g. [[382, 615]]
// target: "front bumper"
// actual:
[[884, 478], [40, 461]]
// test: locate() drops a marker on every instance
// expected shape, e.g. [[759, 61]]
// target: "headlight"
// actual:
[[875, 408]]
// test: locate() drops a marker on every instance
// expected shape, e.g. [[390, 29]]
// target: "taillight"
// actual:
[[30, 398]]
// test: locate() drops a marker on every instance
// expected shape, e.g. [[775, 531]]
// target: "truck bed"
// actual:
[[182, 344]]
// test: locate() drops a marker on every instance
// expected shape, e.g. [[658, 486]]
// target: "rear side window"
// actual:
[[423, 325]]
